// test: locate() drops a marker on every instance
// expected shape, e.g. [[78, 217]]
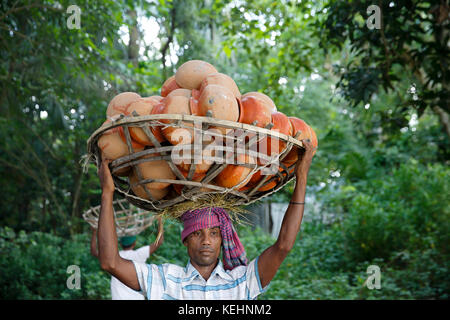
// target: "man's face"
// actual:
[[204, 246]]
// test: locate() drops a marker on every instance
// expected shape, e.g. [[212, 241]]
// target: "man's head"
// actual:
[[128, 242], [204, 246], [208, 230]]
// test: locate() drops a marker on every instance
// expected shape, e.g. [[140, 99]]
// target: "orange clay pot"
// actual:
[[268, 186], [177, 105], [306, 133], [168, 86], [219, 100], [191, 73], [201, 167], [223, 80], [253, 108], [257, 176], [261, 96], [272, 146], [181, 92], [136, 145], [114, 143], [196, 177], [143, 107], [139, 190], [156, 130], [158, 169], [119, 104], [234, 174]]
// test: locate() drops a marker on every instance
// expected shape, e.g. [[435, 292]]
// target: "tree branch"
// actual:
[[169, 39]]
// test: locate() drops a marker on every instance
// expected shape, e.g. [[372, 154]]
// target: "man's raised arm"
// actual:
[[108, 252], [271, 259]]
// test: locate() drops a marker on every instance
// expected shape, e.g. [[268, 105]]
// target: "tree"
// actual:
[[51, 80], [412, 42]]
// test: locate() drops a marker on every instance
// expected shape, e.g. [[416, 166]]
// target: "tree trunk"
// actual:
[[133, 45], [444, 118], [170, 34], [76, 193]]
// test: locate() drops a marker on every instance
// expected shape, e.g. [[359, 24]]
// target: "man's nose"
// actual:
[[206, 239]]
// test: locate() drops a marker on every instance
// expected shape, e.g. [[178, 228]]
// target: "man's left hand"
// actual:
[[304, 158]]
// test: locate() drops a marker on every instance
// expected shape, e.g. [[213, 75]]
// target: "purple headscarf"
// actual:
[[233, 251]]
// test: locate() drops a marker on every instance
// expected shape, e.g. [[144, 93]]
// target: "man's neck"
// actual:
[[205, 271]]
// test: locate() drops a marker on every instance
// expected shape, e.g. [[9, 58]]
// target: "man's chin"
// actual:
[[206, 262]]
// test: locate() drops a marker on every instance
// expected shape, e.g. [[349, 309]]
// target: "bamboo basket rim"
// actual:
[[128, 221], [127, 120], [238, 198]]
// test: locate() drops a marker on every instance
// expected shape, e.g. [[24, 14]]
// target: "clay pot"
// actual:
[[158, 169], [222, 80], [156, 130], [267, 102], [143, 107], [139, 190], [177, 105], [124, 172], [306, 133], [196, 177], [181, 92], [257, 177], [201, 167], [112, 143], [119, 104], [273, 146], [193, 102], [220, 101], [233, 174], [136, 145], [168, 86], [155, 97], [191, 73], [253, 108]]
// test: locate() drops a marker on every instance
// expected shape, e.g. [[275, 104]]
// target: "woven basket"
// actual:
[[192, 190], [129, 220]]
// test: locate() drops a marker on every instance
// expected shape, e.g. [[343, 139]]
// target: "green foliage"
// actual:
[[381, 170], [34, 266], [412, 41]]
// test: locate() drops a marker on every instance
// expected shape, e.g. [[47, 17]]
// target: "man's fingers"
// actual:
[[106, 161], [307, 144]]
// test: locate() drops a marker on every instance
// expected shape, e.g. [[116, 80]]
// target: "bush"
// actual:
[[34, 266], [407, 209]]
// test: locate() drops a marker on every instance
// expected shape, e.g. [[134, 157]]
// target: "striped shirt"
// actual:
[[172, 282]]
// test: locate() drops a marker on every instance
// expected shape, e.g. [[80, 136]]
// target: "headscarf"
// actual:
[[233, 251]]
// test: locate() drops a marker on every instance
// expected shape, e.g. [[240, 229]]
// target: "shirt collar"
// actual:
[[192, 273], [190, 270], [221, 272]]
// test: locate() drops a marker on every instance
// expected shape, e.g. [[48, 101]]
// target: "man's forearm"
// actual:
[[107, 237], [94, 249], [294, 214]]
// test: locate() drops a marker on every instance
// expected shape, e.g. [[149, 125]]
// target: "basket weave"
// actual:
[[129, 220], [192, 190]]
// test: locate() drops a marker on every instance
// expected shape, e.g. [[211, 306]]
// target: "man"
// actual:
[[119, 291], [205, 232]]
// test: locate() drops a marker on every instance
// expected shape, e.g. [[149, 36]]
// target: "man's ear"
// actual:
[[185, 243]]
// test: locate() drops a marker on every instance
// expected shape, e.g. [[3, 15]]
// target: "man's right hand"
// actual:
[[104, 174]]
